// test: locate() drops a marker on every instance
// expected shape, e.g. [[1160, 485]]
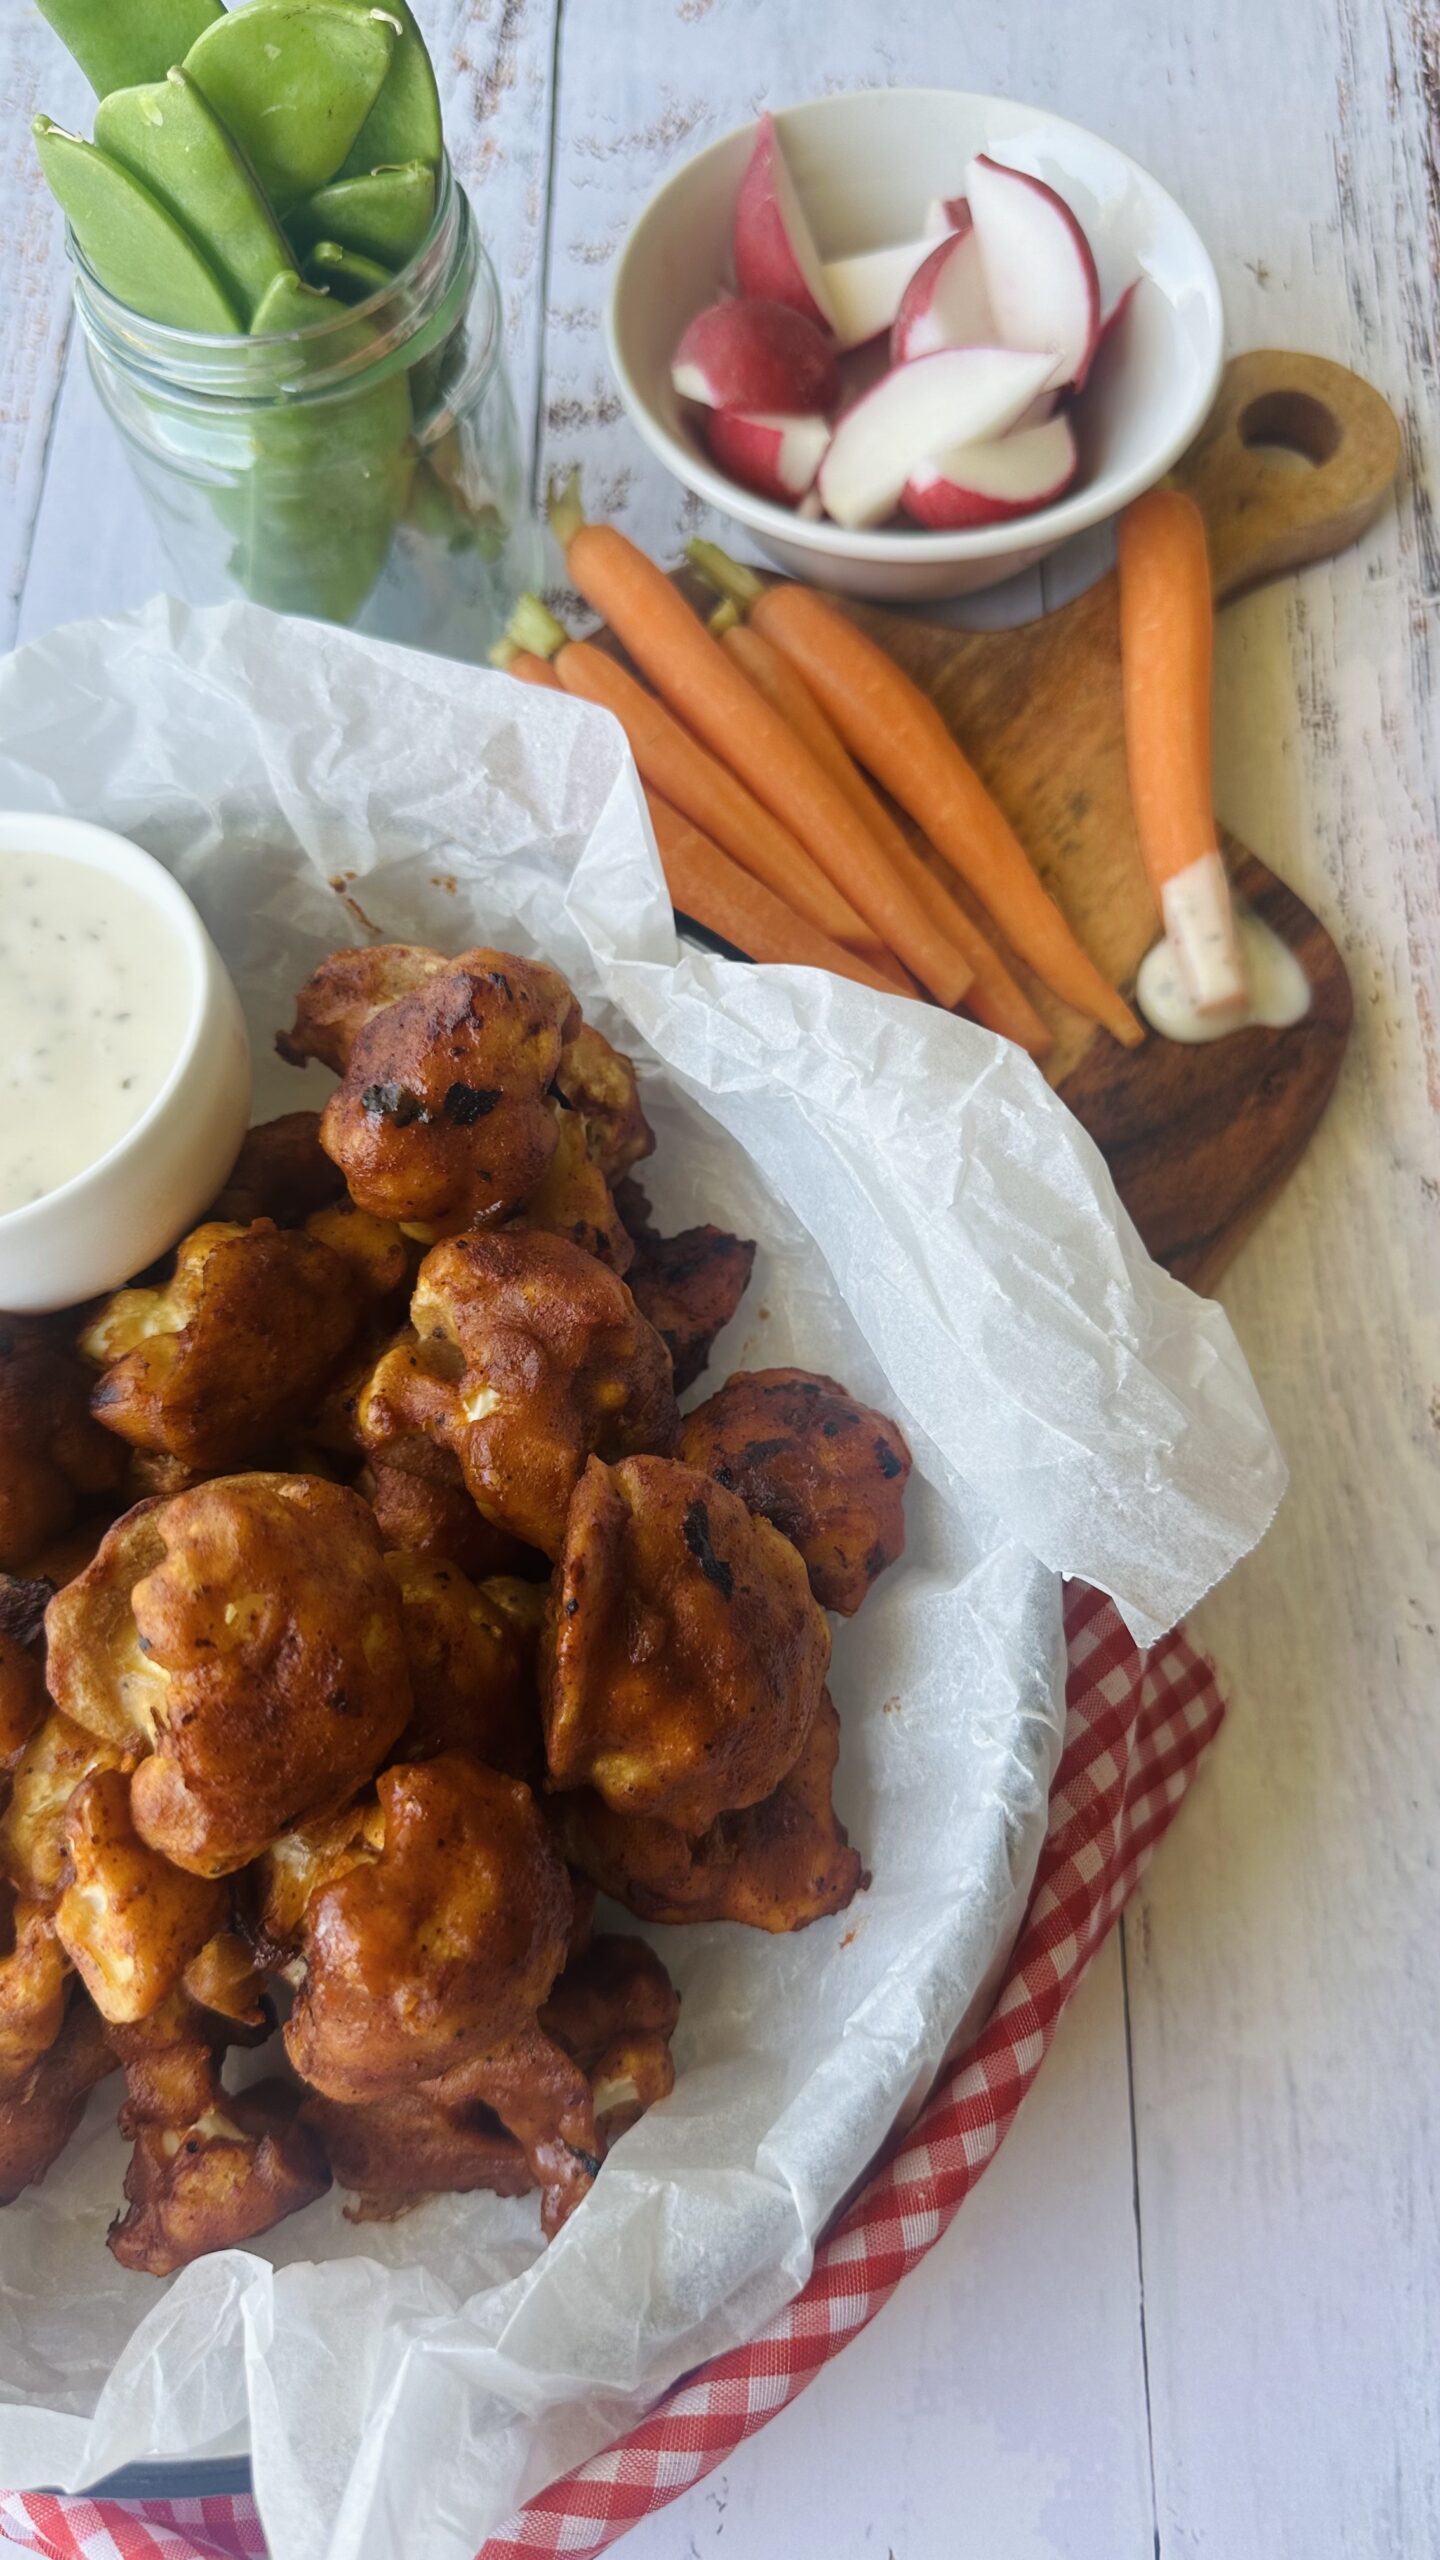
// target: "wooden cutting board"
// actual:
[[1198, 1139]]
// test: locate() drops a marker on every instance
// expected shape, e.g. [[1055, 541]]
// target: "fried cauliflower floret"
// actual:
[[600, 1086], [33, 1986], [244, 1642], [23, 1699], [347, 990], [528, 1357], [443, 1116], [433, 1515], [54, 1459], [828, 1472], [781, 1864], [574, 1200], [472, 1650], [683, 1658], [688, 1286], [237, 2169], [34, 1850], [293, 1871], [282, 1172], [218, 1362], [613, 2010], [129, 1922], [37, 2122], [441, 1947]]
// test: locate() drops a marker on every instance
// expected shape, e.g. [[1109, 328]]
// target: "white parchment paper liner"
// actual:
[[936, 1229]]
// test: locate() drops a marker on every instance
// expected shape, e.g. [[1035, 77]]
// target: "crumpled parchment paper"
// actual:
[[935, 1229]]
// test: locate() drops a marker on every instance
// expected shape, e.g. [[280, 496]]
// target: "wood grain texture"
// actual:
[[1282, 2020]]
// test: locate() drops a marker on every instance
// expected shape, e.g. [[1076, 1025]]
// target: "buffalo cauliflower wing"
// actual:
[[779, 1865], [282, 1172], [54, 1459], [573, 1199], [599, 1085], [472, 1651], [214, 1365], [528, 1357], [34, 1980], [38, 2120], [828, 1472], [34, 1846], [431, 1514], [243, 1644], [683, 1658], [129, 1922], [688, 1286], [443, 1115]]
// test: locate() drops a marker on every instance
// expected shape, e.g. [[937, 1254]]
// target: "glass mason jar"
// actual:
[[365, 471]]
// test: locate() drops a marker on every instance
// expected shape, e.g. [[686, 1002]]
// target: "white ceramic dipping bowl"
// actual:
[[134, 1201], [866, 166]]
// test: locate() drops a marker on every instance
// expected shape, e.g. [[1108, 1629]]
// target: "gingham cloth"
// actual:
[[1135, 1731]]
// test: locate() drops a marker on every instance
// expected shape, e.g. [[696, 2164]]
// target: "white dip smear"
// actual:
[[95, 995], [1279, 988]]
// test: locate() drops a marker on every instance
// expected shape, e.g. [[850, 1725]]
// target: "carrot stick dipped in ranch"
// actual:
[[1167, 623], [692, 674], [892, 729]]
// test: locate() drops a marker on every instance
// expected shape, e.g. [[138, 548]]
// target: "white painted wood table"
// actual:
[[1194, 2309]]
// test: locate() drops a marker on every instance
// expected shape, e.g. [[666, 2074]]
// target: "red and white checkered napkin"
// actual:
[[1136, 1729]]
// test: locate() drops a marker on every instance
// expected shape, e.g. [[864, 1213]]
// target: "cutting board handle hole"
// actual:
[[1292, 423]]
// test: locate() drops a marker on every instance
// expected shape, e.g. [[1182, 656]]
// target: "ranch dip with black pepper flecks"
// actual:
[[95, 998]]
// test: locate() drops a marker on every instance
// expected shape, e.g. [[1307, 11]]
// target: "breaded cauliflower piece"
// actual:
[[244, 1644], [688, 1286], [528, 1357], [472, 1650], [683, 1658], [59, 1756], [779, 1865], [129, 1922], [37, 2122], [54, 1460], [443, 1116], [282, 1172], [217, 1363], [33, 1986], [600, 1086], [828, 1472]]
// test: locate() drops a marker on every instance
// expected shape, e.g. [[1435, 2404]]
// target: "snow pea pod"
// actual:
[[120, 42], [404, 123], [169, 137], [347, 274], [327, 475], [294, 80], [129, 239], [385, 214]]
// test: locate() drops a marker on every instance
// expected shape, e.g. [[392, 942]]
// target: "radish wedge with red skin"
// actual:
[[990, 483], [777, 457], [946, 303], [774, 252], [756, 354], [1039, 269], [963, 395], [945, 213], [865, 291]]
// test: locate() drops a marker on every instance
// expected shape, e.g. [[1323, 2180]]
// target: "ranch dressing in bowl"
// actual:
[[124, 1065], [95, 1002]]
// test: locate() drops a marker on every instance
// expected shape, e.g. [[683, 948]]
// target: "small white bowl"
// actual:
[[137, 1199], [866, 166]]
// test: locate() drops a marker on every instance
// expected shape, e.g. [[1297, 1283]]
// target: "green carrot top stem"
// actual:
[[738, 585], [533, 626], [726, 617]]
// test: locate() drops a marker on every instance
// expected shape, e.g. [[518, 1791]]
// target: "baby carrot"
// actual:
[[694, 676], [676, 765], [891, 727], [1167, 619], [993, 996], [705, 883]]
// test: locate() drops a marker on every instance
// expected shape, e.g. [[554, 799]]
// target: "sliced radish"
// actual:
[[1114, 312], [945, 213], [774, 252], [960, 396], [1038, 267], [865, 291], [777, 457], [945, 304], [986, 483], [756, 355]]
